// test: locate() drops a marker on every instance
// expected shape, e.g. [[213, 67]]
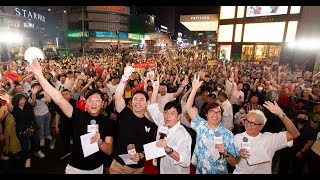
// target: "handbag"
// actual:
[[30, 130]]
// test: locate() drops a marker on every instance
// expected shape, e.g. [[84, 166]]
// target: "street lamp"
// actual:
[[82, 36], [118, 34]]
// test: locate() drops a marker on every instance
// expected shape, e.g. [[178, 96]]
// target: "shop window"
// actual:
[[264, 32], [240, 12], [291, 32], [295, 9], [261, 52], [225, 33], [274, 53], [227, 12], [238, 33], [247, 52]]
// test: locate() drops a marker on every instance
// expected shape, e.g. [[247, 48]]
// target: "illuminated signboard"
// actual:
[[75, 34], [253, 11], [107, 34], [117, 8], [29, 14], [10, 23], [135, 36]]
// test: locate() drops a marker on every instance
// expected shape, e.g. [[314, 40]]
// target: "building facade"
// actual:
[[257, 32], [20, 28]]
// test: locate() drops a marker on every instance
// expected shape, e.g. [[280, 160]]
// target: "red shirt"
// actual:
[[284, 99]]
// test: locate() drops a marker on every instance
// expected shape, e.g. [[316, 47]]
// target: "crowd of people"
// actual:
[[242, 117]]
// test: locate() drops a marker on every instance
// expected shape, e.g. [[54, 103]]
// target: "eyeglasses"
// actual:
[[90, 101], [214, 112], [166, 113], [252, 124]]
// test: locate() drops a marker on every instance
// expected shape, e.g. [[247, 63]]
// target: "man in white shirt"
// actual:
[[177, 143], [61, 85], [257, 149], [112, 87], [227, 119], [164, 97]]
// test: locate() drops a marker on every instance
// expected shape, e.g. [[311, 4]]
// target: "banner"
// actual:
[[145, 65], [213, 62]]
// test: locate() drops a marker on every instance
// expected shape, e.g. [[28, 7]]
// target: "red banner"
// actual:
[[145, 65], [12, 76]]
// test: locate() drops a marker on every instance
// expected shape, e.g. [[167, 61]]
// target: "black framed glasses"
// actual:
[[214, 112], [252, 124]]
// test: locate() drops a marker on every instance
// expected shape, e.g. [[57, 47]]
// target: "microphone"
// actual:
[[218, 140], [245, 143], [94, 122], [163, 131]]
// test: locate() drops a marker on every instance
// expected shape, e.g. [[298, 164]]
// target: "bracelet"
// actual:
[[123, 81], [100, 142]]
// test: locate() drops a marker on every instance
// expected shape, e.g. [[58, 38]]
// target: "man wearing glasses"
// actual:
[[177, 144], [257, 149], [92, 164]]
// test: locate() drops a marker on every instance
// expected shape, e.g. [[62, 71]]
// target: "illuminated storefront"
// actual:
[[257, 32], [20, 28], [204, 26]]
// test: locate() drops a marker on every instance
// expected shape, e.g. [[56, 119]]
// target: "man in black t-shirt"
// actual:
[[92, 164], [133, 129]]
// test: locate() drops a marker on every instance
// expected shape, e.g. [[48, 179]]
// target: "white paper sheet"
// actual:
[[258, 156], [213, 151], [87, 147], [126, 160], [152, 151]]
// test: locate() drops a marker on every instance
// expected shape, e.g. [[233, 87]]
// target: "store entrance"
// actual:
[[261, 52]]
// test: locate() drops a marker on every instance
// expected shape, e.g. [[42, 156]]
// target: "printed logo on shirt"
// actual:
[[147, 129]]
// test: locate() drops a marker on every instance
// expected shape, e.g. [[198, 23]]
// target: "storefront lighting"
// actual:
[[306, 44], [10, 37]]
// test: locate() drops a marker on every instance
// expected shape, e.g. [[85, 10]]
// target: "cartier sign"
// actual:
[[29, 14]]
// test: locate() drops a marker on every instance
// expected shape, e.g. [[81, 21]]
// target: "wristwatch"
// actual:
[[227, 155], [170, 151]]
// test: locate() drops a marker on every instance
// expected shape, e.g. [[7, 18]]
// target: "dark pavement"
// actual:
[[50, 164]]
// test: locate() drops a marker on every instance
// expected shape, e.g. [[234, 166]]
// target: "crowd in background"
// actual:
[[238, 87]]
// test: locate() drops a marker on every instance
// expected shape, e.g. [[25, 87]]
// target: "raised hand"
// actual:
[[128, 71], [185, 81], [156, 84], [274, 108], [36, 68], [196, 83], [35, 89], [5, 97]]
